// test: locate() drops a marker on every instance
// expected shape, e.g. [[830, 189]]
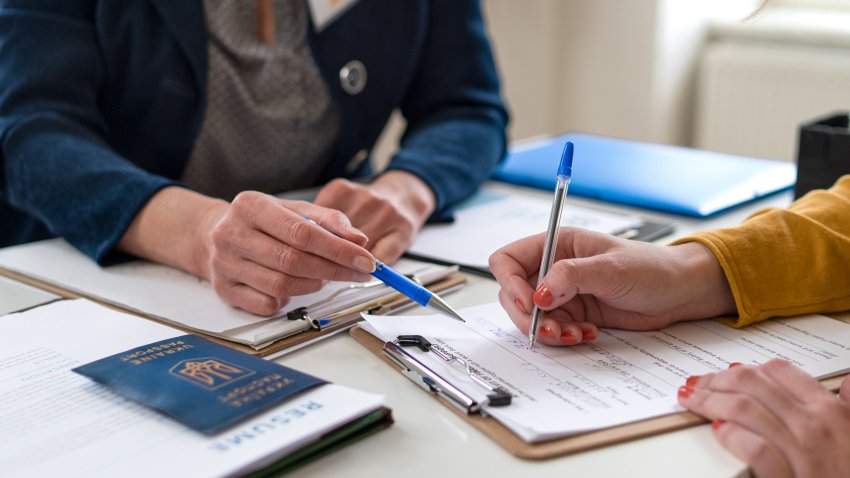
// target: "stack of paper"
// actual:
[[58, 423], [182, 299], [492, 219], [621, 377]]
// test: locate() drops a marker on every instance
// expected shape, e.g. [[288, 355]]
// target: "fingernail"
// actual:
[[735, 364], [568, 338], [542, 296], [692, 381], [588, 334], [521, 305], [716, 423], [685, 392], [364, 264], [546, 331]]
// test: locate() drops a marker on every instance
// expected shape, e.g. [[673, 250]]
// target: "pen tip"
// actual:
[[440, 305]]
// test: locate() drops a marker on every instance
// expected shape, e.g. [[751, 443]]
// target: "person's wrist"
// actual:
[[710, 294], [407, 191], [207, 222]]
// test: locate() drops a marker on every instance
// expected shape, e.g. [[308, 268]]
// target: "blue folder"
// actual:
[[668, 178]]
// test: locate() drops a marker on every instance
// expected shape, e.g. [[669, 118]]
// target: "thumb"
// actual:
[[586, 275]]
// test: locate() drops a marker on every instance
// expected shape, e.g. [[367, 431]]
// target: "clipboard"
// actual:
[[346, 319], [561, 446]]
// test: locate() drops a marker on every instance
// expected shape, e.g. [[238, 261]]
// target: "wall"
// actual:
[[614, 67]]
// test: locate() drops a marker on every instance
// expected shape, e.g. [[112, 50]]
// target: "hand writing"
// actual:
[[601, 280]]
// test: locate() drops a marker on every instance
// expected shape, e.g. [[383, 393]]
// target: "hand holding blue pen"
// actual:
[[565, 170], [416, 292]]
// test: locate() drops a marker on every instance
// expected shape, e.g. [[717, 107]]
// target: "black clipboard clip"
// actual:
[[431, 381]]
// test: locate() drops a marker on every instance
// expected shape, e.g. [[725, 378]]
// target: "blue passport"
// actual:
[[654, 176], [205, 385]]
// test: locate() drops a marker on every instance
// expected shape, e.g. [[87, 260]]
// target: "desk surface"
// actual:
[[429, 440]]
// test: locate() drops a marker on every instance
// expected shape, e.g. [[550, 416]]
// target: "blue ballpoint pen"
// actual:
[[565, 170], [414, 291], [409, 288]]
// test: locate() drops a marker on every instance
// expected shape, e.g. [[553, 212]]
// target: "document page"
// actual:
[[58, 423], [619, 378], [173, 295], [492, 219], [15, 296]]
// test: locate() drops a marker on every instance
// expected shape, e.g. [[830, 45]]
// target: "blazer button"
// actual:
[[352, 77], [356, 161]]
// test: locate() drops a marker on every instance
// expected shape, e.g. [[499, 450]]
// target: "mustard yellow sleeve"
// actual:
[[782, 262]]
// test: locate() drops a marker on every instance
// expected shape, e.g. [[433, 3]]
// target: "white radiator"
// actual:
[[753, 94]]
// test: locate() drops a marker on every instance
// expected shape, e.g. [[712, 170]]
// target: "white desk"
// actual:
[[429, 440]]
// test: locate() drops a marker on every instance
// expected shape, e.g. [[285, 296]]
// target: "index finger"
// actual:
[[292, 228], [520, 258]]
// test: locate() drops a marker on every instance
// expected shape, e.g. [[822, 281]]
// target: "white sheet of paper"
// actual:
[[169, 294], [621, 377], [494, 219], [58, 423], [15, 296]]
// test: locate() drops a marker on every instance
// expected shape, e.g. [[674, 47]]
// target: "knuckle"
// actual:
[[278, 285], [739, 406], [741, 376], [245, 199], [287, 260], [299, 234], [223, 289], [220, 234], [341, 184], [311, 285], [759, 448], [337, 217], [775, 366], [563, 270], [266, 305], [218, 264]]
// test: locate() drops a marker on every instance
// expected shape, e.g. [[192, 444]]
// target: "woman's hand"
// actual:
[[257, 251], [777, 419], [601, 280], [390, 211]]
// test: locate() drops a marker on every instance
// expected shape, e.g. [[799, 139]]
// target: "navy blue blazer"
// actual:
[[101, 102]]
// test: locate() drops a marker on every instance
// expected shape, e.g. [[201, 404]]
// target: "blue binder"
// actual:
[[668, 178]]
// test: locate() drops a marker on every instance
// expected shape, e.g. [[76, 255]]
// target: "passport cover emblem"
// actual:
[[210, 373]]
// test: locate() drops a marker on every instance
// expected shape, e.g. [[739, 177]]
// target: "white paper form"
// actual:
[[15, 296], [172, 295], [621, 377], [494, 219], [54, 422]]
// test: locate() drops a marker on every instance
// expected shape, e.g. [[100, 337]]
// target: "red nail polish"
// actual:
[[735, 364], [547, 332], [692, 381], [568, 338], [519, 304], [716, 423], [588, 334], [542, 296], [685, 392]]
